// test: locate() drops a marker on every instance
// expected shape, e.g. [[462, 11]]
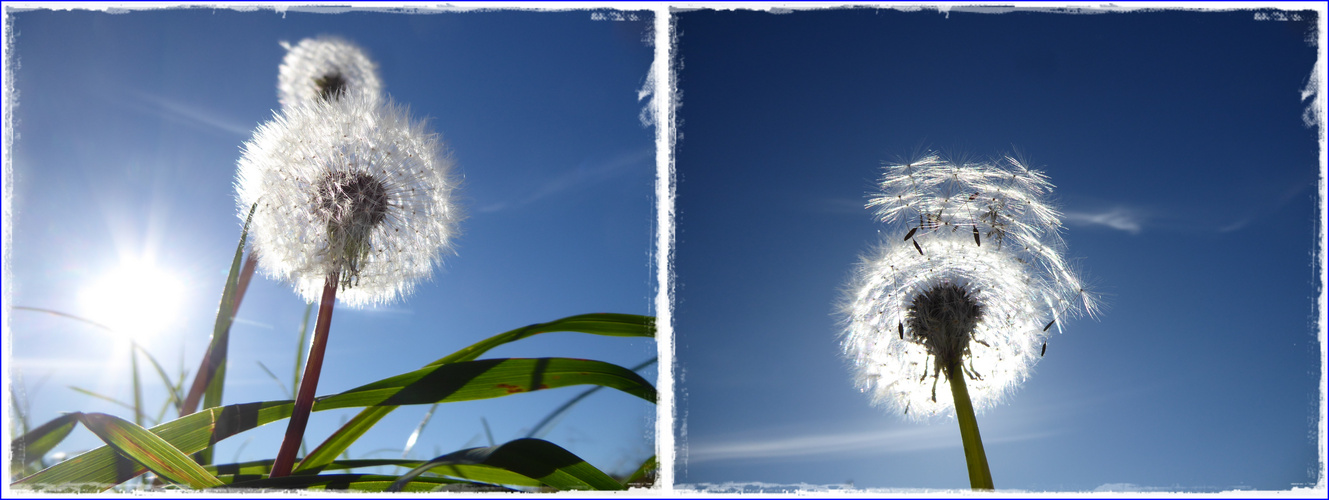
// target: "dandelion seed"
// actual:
[[326, 68], [352, 188]]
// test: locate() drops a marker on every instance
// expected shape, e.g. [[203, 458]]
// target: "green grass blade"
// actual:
[[489, 435], [447, 383], [488, 378], [300, 349], [363, 483], [644, 477], [273, 376], [533, 458], [541, 428], [469, 473], [208, 380], [609, 324], [103, 467], [148, 450], [108, 399], [33, 445], [339, 441], [415, 435], [172, 388], [138, 388]]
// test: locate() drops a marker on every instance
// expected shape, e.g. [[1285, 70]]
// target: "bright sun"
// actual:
[[137, 299]]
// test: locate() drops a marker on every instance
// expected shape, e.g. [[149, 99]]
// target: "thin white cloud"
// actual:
[[852, 443], [1119, 218], [188, 114], [583, 174]]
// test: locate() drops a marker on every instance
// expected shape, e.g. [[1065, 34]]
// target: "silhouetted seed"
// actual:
[[901, 325], [1045, 350], [976, 241], [916, 247], [1049, 325], [910, 234]]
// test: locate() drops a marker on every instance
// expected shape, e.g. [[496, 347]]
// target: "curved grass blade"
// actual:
[[273, 376], [148, 450], [208, 380], [644, 477], [415, 435], [463, 381], [300, 348], [103, 397], [533, 458], [367, 483], [488, 378], [540, 428], [608, 324], [35, 444], [245, 471], [103, 467], [138, 388]]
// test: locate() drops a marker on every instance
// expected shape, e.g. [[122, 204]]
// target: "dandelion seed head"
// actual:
[[326, 68], [350, 187], [969, 281]]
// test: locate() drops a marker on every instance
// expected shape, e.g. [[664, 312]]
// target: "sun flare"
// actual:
[[137, 299]]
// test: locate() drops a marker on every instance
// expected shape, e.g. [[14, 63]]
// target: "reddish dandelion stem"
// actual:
[[304, 400]]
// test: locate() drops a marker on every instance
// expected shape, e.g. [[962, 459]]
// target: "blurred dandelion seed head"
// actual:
[[969, 281], [350, 187], [324, 69]]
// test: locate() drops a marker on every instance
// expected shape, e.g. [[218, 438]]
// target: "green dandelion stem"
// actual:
[[980, 478], [304, 400]]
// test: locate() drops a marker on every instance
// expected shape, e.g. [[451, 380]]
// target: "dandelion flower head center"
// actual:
[[351, 187], [943, 319], [326, 68], [352, 204], [330, 86], [972, 277]]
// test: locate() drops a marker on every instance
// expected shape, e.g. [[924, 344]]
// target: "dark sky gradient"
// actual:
[[1188, 181]]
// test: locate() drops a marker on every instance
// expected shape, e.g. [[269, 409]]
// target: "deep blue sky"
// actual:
[[1188, 181], [128, 131]]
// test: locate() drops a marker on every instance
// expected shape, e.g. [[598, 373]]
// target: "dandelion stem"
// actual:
[[304, 400], [980, 478]]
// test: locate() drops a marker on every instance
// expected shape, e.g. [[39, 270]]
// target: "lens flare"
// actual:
[[137, 299]]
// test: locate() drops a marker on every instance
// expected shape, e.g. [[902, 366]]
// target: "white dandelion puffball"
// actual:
[[974, 279], [326, 68], [348, 187]]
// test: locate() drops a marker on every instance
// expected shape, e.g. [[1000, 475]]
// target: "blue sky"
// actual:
[[128, 131], [1188, 180]]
